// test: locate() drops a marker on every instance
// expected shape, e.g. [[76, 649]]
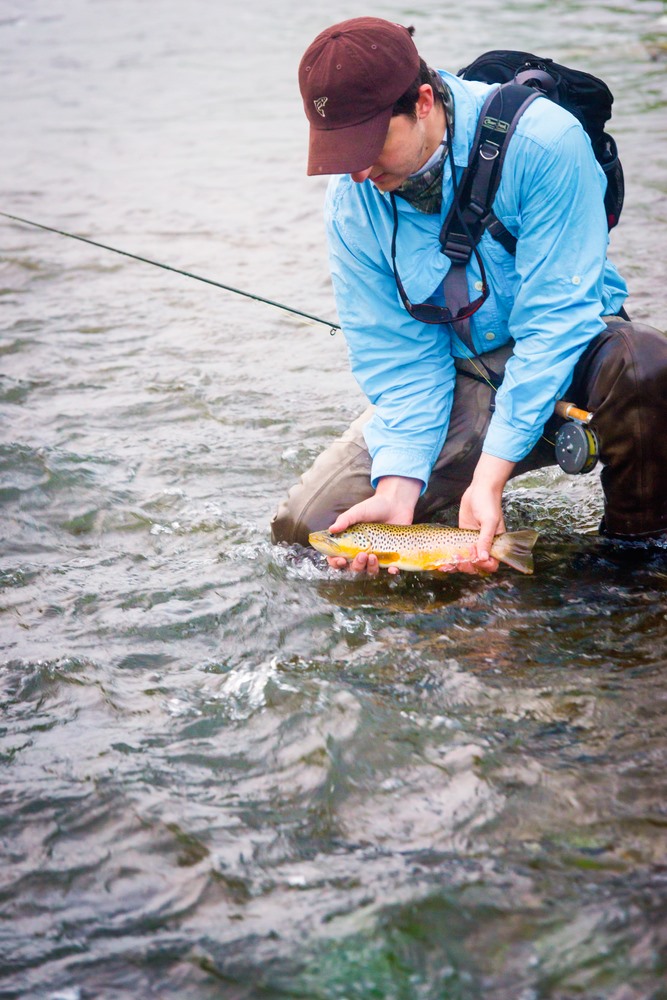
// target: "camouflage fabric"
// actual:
[[424, 190]]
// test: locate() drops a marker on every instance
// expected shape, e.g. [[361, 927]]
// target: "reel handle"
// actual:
[[576, 446], [571, 412]]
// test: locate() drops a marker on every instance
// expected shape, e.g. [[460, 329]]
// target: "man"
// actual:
[[392, 130]]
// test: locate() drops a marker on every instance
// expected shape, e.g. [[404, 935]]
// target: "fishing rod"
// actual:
[[576, 445], [166, 267]]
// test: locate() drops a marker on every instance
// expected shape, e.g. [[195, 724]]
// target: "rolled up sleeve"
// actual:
[[560, 263]]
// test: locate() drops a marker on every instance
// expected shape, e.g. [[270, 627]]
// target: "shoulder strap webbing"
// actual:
[[470, 213]]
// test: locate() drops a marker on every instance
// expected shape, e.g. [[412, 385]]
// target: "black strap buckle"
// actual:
[[458, 248]]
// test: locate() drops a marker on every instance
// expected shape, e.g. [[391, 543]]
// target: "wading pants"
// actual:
[[621, 378]]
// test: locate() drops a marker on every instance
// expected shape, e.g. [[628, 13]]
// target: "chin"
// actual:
[[387, 183]]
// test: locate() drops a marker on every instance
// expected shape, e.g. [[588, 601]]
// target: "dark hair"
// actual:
[[407, 102]]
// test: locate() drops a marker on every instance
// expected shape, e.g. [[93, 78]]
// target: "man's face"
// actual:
[[404, 152], [409, 144]]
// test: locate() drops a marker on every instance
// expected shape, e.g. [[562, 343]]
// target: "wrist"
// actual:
[[400, 491], [492, 472]]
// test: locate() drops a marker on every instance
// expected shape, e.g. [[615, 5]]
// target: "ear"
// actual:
[[425, 101]]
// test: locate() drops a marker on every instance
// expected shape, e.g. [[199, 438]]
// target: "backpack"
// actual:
[[585, 96], [523, 78]]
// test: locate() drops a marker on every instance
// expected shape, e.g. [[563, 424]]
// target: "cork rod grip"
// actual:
[[571, 412]]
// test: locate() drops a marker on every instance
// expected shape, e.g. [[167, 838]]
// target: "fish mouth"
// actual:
[[324, 542]]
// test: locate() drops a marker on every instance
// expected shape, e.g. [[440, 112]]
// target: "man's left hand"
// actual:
[[481, 510]]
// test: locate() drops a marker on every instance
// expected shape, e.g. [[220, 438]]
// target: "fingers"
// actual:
[[487, 533], [363, 511], [337, 562], [363, 562], [483, 566], [342, 522], [473, 566], [483, 547]]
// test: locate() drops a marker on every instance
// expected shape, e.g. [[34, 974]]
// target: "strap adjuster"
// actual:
[[458, 248]]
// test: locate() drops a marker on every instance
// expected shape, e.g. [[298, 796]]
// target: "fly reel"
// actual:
[[575, 444]]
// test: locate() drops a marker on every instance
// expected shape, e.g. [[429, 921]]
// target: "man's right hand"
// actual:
[[481, 509], [393, 502]]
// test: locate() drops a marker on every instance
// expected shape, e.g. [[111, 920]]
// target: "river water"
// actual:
[[227, 772]]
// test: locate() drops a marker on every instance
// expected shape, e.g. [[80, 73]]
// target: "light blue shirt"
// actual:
[[549, 299]]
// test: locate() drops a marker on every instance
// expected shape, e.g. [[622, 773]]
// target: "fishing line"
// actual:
[[166, 267], [576, 444]]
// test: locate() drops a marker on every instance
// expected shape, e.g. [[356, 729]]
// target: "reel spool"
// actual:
[[575, 444], [576, 448]]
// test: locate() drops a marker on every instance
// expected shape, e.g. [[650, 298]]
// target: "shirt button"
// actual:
[[490, 336], [479, 286], [576, 280]]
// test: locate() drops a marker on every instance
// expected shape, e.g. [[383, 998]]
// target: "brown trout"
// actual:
[[418, 547]]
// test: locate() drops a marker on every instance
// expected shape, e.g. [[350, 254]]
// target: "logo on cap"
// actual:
[[319, 105]]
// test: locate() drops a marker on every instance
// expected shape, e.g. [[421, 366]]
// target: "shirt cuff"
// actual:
[[412, 463], [505, 440]]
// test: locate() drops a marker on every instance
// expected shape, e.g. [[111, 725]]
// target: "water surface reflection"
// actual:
[[229, 772]]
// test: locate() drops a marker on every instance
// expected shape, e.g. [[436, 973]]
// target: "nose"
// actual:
[[359, 176]]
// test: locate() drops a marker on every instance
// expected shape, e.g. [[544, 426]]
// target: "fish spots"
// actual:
[[418, 547]]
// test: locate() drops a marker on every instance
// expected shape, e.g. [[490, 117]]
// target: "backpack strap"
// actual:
[[470, 214], [501, 235]]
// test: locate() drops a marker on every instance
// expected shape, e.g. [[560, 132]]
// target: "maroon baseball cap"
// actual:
[[350, 78]]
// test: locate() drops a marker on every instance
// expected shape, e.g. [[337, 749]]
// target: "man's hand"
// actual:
[[393, 502], [481, 509]]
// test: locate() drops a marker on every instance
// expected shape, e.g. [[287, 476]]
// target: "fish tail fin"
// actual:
[[516, 549]]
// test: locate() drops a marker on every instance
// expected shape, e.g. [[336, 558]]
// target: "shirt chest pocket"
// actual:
[[503, 277]]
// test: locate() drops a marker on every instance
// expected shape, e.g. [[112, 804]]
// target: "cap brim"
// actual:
[[347, 150]]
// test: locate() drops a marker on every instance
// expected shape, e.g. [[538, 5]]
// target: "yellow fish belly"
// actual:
[[420, 547]]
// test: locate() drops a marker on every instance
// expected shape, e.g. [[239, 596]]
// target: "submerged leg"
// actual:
[[338, 478]]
